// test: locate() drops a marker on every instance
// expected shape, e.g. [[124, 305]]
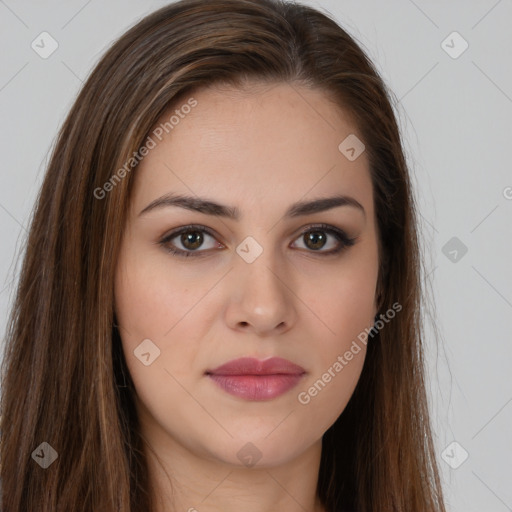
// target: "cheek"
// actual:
[[343, 299], [155, 304], [151, 299], [344, 306], [338, 360]]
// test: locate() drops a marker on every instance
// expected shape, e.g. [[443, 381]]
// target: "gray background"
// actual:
[[455, 116]]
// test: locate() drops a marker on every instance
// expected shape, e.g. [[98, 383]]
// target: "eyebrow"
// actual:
[[209, 207]]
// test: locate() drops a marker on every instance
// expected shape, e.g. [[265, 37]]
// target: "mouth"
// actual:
[[255, 380]]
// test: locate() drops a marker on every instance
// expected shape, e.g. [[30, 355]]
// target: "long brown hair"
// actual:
[[65, 380]]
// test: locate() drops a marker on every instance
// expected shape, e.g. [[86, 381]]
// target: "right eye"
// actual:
[[191, 239]]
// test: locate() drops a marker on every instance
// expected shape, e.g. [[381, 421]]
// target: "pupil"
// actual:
[[315, 236]]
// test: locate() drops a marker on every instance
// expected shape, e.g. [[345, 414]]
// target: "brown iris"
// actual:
[[192, 239], [316, 237]]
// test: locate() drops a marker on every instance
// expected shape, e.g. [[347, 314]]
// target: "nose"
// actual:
[[261, 298]]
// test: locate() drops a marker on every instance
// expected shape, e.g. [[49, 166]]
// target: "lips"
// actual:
[[252, 379], [252, 366]]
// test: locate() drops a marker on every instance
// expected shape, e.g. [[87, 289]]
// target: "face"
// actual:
[[272, 281]]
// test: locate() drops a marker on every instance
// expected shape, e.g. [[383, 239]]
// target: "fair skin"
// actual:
[[261, 150]]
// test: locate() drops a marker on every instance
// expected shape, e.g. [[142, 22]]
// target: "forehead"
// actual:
[[263, 143]]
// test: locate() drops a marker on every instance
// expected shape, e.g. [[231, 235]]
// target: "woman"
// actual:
[[219, 305]]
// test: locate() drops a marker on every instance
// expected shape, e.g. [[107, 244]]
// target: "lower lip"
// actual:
[[256, 387]]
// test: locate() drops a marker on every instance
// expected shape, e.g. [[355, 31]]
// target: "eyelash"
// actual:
[[344, 240]]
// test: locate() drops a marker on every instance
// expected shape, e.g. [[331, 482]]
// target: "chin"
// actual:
[[257, 451]]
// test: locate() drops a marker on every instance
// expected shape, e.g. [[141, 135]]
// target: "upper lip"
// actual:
[[253, 366]]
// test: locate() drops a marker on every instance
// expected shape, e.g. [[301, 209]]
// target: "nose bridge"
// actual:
[[263, 297], [258, 264]]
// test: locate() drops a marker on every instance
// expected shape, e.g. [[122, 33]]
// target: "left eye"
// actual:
[[315, 238]]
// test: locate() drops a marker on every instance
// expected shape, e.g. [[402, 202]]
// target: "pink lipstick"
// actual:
[[252, 379]]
